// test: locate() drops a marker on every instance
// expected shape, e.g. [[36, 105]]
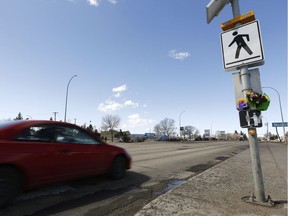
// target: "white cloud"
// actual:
[[94, 2], [113, 1], [109, 106], [116, 103], [135, 120], [118, 90], [131, 104], [117, 95], [178, 55]]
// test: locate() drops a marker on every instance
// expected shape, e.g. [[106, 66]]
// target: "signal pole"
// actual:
[[247, 80], [252, 132]]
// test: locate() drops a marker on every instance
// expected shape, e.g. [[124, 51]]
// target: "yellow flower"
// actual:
[[241, 100]]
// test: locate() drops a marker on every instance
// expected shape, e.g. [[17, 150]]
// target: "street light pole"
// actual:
[[268, 137], [67, 97], [180, 122], [267, 127], [284, 133], [55, 113]]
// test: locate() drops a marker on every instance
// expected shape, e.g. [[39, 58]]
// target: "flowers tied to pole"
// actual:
[[258, 101], [253, 101], [242, 104]]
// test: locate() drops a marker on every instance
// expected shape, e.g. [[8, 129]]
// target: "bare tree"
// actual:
[[166, 127], [190, 131], [110, 122], [19, 116]]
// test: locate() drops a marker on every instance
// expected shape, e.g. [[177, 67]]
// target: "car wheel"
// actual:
[[118, 167], [10, 185]]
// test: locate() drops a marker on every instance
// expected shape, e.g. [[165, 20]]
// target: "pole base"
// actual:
[[252, 199]]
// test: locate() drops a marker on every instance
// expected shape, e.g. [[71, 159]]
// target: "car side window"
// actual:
[[37, 133], [75, 135]]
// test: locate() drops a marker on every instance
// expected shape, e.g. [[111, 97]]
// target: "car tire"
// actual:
[[10, 185], [118, 167]]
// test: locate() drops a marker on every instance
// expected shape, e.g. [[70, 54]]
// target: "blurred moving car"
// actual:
[[34, 152]]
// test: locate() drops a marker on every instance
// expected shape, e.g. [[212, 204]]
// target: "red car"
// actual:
[[34, 153]]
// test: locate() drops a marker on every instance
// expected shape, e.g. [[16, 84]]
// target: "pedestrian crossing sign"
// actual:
[[250, 119], [242, 46]]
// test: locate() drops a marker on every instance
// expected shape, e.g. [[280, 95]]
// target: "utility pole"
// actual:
[[55, 113]]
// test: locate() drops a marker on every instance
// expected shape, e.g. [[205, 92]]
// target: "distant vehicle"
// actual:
[[150, 136], [163, 138], [34, 153]]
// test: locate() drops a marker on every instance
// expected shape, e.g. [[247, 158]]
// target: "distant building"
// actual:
[[207, 134], [221, 135]]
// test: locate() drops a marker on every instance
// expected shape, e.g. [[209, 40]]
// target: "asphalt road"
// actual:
[[157, 167]]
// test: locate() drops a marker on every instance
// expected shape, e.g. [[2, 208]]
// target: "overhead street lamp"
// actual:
[[280, 111], [67, 96], [29, 117]]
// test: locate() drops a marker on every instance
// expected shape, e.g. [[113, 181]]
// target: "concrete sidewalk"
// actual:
[[219, 190]]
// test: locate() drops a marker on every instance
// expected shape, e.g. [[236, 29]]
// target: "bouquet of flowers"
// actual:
[[258, 101]]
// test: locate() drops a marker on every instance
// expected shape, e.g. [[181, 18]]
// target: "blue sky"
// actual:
[[143, 60]]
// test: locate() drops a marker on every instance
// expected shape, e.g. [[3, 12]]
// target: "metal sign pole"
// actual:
[[253, 142]]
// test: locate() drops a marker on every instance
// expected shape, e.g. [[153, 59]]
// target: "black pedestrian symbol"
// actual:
[[239, 40]]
